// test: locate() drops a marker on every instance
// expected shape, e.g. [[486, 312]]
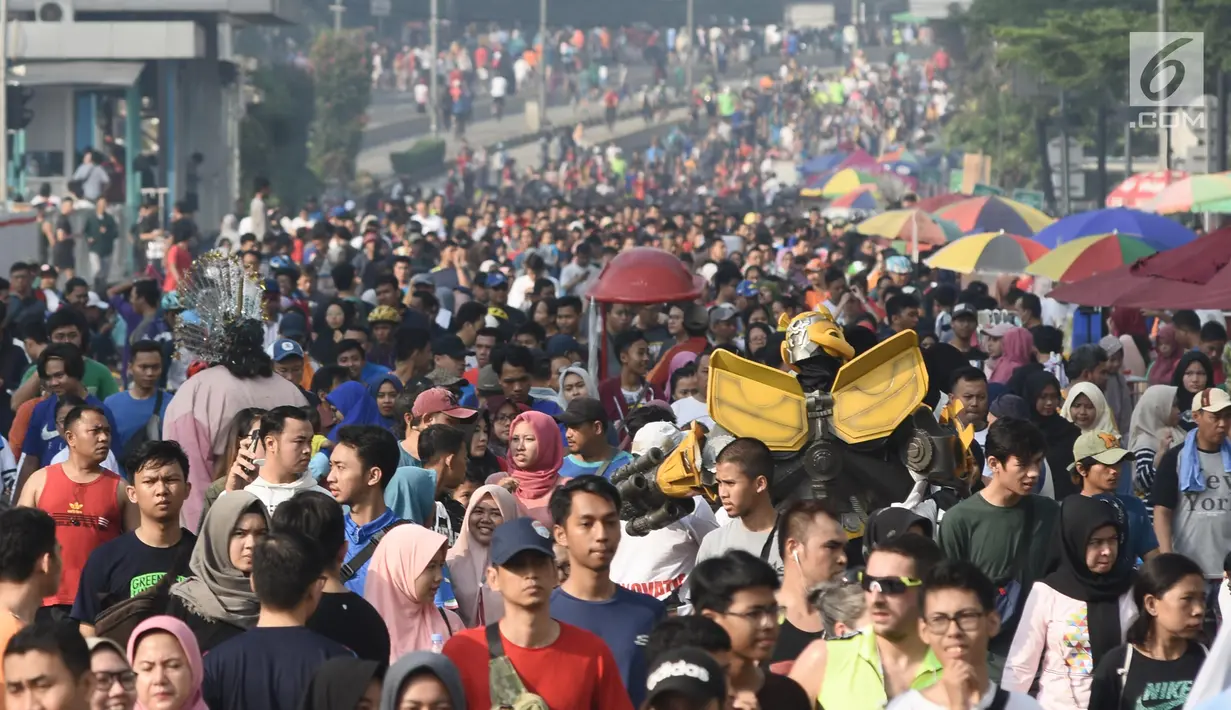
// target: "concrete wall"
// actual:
[[203, 122]]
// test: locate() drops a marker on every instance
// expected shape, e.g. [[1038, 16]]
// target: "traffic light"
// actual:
[[17, 111]]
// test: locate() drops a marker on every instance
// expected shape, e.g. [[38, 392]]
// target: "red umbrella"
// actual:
[[931, 204], [1195, 275]]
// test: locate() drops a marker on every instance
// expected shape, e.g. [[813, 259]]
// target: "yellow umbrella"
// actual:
[[988, 253]]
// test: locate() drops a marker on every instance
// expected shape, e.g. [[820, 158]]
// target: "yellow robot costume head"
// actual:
[[810, 333]]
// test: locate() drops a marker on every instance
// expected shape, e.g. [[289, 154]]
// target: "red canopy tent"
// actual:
[[637, 276], [1195, 275]]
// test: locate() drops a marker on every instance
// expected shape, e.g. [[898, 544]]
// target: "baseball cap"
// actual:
[[581, 410], [517, 536], [437, 400], [293, 325], [996, 331], [272, 288], [450, 345], [422, 280], [489, 381], [560, 345], [384, 314], [721, 313], [285, 348], [1104, 447], [93, 301], [1211, 400], [898, 264], [965, 310], [690, 672], [664, 435], [496, 279]]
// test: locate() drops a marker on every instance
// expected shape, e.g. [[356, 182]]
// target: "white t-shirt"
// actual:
[[275, 494], [913, 700], [657, 564], [500, 86]]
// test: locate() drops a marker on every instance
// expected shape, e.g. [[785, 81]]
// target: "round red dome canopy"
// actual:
[[646, 275]]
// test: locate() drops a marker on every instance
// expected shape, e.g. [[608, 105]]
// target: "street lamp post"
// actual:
[[688, 46], [433, 63], [543, 64]]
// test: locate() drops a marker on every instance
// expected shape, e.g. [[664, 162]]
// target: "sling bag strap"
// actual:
[[356, 563]]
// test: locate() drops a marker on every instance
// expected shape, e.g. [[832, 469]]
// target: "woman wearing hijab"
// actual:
[[116, 688], [329, 323], [677, 362], [1017, 348], [1076, 614], [1087, 408], [1119, 396], [354, 406], [217, 601], [344, 684], [425, 680], [1166, 356], [1152, 432], [385, 390], [164, 654], [468, 559], [535, 456], [403, 577], [575, 381], [1193, 373], [1042, 395]]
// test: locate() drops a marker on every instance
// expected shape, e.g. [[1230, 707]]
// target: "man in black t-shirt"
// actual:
[[341, 615], [138, 560]]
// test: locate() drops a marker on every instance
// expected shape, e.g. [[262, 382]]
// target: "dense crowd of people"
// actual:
[[393, 488]]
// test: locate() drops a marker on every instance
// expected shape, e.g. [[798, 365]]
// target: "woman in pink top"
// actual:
[[1077, 614], [536, 453]]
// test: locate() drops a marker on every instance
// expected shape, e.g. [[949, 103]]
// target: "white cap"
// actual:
[[664, 435], [93, 301]]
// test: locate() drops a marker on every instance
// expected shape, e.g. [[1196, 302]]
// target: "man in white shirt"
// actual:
[[500, 87], [256, 209], [958, 618]]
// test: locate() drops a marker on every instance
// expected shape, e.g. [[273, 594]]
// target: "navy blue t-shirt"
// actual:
[[265, 668], [122, 568], [42, 438], [623, 622]]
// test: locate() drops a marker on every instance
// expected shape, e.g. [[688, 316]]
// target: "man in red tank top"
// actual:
[[87, 502]]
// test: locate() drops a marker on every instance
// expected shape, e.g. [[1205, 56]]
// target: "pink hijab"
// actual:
[[403, 555], [680, 360], [1163, 367], [468, 561], [188, 642], [535, 484], [1018, 344]]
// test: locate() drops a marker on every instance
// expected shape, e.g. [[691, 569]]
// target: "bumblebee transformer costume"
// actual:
[[850, 430]]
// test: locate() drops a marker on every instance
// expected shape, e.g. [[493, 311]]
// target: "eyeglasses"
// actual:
[[887, 585], [105, 679], [966, 620], [759, 614]]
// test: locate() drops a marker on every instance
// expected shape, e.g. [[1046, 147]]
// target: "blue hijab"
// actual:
[[374, 388], [356, 406]]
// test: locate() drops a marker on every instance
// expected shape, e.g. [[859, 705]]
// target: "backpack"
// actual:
[[152, 431], [118, 621]]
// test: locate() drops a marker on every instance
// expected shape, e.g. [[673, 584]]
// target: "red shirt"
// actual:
[[182, 258], [576, 672], [86, 515]]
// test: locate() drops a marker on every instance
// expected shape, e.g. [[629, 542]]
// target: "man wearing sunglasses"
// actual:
[[959, 619], [888, 658]]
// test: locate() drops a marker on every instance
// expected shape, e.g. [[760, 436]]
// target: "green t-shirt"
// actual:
[[98, 380]]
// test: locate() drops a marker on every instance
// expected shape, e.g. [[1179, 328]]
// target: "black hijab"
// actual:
[[1184, 398], [1059, 433], [323, 345], [340, 683], [1080, 516]]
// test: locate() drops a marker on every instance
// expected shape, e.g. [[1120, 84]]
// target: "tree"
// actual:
[[342, 72], [274, 135]]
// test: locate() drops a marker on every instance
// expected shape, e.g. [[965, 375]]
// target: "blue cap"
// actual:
[[560, 345], [517, 536], [746, 288], [272, 288], [495, 278], [338, 211], [293, 325], [280, 261], [285, 348]]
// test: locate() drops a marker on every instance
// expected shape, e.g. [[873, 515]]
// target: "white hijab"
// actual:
[[1103, 420]]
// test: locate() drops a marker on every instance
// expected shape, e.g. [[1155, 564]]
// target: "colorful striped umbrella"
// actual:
[[838, 183], [988, 253], [1159, 232], [864, 197], [936, 202], [1075, 260], [1198, 193], [909, 226], [1140, 188], [995, 214]]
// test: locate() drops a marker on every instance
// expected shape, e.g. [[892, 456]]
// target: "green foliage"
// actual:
[[425, 155], [341, 69], [274, 135]]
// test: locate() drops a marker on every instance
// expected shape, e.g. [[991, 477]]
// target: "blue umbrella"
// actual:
[[823, 163], [1157, 231]]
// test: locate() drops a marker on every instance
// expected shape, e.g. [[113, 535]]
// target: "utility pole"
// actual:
[[1065, 199], [543, 122], [433, 66], [337, 9], [690, 50], [4, 116], [1164, 133]]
